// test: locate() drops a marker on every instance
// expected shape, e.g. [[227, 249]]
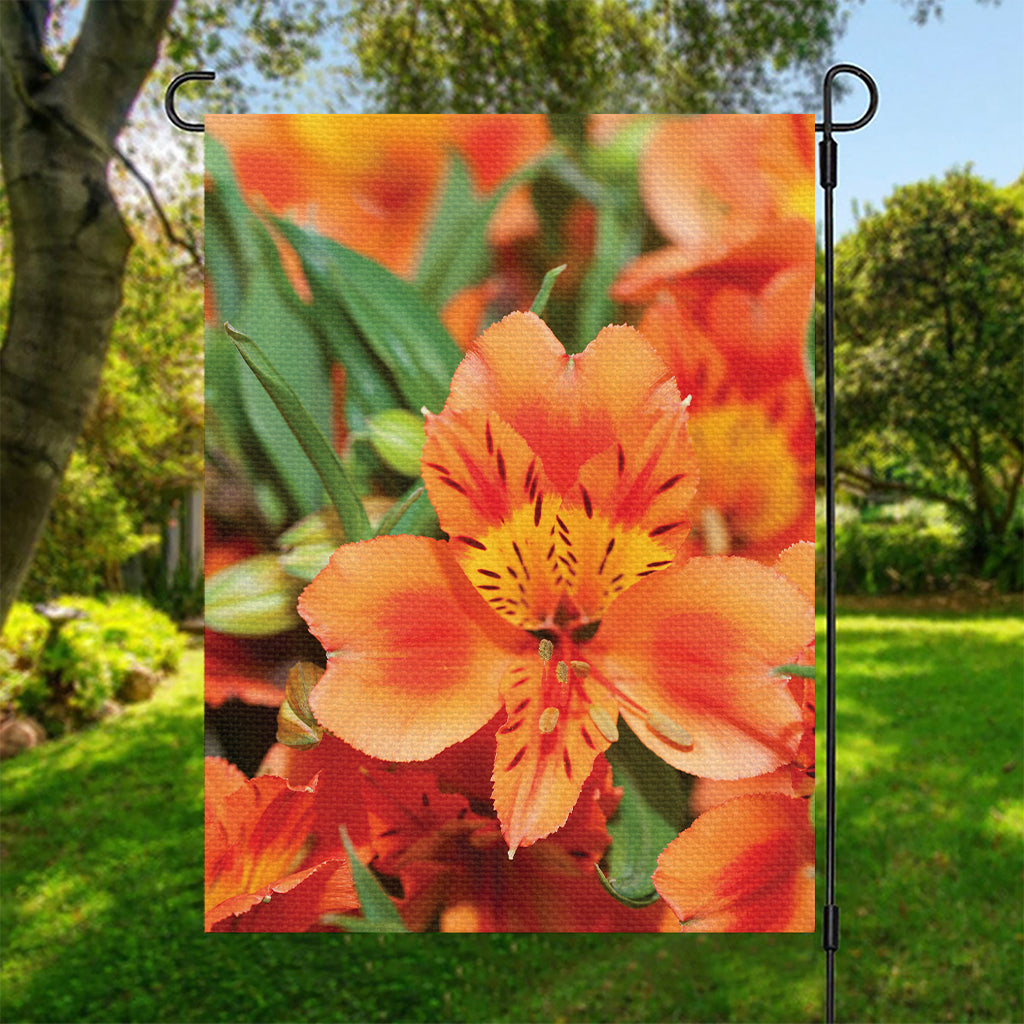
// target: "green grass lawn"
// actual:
[[102, 878]]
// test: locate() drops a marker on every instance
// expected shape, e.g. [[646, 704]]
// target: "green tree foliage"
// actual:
[[929, 300], [432, 56], [142, 447]]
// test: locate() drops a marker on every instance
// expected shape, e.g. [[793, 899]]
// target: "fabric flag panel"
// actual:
[[510, 523]]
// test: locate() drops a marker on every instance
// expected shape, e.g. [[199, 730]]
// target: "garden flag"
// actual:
[[510, 523]]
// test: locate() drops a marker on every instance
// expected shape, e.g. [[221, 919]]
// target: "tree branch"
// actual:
[[172, 236], [115, 51], [866, 480]]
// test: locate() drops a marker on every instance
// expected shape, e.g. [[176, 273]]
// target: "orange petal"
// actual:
[[712, 182], [744, 866], [547, 746], [796, 563], [293, 904], [414, 656], [697, 644], [496, 145], [566, 408], [699, 368], [255, 834], [756, 493]]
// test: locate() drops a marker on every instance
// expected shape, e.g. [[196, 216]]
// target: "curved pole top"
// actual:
[[172, 114], [828, 126]]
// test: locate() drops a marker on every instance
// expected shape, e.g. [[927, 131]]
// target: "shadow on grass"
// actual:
[[102, 912]]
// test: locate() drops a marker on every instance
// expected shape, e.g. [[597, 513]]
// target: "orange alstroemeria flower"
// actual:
[[257, 875], [724, 186], [563, 482], [754, 437], [371, 181], [734, 196], [744, 866]]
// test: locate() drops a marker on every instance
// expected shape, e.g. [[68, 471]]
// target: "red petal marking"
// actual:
[[415, 656], [646, 481], [698, 644], [477, 469], [405, 813], [538, 776], [744, 866]]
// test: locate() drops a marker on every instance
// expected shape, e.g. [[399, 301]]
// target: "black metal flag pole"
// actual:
[[829, 178]]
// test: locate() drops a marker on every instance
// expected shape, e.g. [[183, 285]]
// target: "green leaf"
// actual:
[[457, 253], [398, 510], [251, 287], [379, 913], [650, 815], [317, 448], [390, 316], [619, 233], [801, 671], [544, 291], [255, 597], [413, 514]]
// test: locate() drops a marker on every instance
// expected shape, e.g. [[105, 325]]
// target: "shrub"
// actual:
[[894, 549], [67, 681]]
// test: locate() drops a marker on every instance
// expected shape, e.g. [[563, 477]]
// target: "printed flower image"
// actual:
[[510, 430]]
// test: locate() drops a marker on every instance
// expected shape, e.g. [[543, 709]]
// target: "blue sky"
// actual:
[[950, 92]]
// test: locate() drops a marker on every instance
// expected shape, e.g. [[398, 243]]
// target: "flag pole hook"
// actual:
[[172, 114]]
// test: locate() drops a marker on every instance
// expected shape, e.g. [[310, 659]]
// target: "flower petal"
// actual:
[[294, 904], [796, 563], [696, 645], [744, 866], [566, 407], [414, 656], [547, 746], [255, 832]]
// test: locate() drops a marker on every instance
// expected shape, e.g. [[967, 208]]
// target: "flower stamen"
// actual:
[[604, 722], [669, 730], [548, 720]]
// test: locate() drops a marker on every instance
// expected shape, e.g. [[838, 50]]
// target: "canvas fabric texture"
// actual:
[[510, 523]]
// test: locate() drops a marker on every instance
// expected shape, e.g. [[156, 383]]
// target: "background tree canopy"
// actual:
[[578, 55], [929, 326]]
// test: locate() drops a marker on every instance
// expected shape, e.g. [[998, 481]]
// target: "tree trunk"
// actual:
[[70, 245]]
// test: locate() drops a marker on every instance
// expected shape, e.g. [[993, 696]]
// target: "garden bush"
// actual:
[[67, 681], [893, 549]]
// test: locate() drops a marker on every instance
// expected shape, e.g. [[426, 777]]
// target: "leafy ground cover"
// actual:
[[102, 878]]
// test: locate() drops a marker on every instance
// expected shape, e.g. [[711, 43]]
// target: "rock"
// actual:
[[19, 733], [109, 709], [138, 685]]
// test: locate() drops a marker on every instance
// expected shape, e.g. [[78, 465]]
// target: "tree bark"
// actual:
[[70, 246]]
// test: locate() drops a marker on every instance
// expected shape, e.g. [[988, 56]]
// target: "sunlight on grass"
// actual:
[[1006, 818]]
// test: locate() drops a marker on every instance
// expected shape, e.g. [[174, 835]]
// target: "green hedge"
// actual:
[[68, 681], [913, 554]]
